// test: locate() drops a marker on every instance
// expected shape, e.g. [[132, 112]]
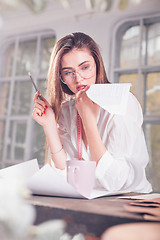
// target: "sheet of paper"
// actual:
[[149, 196], [46, 181], [112, 97], [21, 170]]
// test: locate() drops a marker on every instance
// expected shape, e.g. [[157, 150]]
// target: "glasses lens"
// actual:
[[85, 71], [67, 75]]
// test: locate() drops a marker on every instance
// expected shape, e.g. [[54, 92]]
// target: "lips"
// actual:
[[81, 87]]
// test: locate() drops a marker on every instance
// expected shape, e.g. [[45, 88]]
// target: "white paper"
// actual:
[[21, 170], [149, 196], [112, 97], [46, 181]]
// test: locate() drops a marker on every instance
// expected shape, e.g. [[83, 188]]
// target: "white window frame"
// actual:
[[12, 79], [116, 70]]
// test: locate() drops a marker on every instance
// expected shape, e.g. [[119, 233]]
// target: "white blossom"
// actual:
[[48, 230], [16, 215], [66, 236], [79, 237]]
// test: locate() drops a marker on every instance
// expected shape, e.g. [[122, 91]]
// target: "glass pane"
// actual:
[[43, 87], [2, 130], [143, 49], [152, 134], [8, 62], [154, 44], [19, 153], [39, 144], [21, 132], [16, 140], [26, 59], [4, 97], [129, 54], [46, 49], [153, 94], [133, 79], [22, 96], [9, 141], [39, 137]]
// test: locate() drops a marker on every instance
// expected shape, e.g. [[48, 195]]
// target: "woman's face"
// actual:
[[78, 69]]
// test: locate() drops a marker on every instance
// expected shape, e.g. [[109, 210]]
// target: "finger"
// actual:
[[41, 103], [36, 112], [40, 107], [80, 96], [83, 89], [44, 100], [36, 96], [86, 88], [79, 93]]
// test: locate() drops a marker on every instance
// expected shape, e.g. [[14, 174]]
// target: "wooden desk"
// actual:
[[90, 217]]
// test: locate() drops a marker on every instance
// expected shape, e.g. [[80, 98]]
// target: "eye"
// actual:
[[67, 73], [85, 67]]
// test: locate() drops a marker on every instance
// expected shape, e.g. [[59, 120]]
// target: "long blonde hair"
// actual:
[[56, 89]]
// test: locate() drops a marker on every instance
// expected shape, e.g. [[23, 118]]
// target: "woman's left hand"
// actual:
[[86, 108]]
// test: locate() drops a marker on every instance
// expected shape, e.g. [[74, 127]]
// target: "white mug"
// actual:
[[81, 175]]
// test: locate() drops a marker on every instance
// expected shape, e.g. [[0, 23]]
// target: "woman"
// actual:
[[116, 143]]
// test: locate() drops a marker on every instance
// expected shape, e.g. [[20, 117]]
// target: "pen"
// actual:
[[29, 74]]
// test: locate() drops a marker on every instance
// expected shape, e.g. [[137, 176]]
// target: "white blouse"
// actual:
[[122, 167]]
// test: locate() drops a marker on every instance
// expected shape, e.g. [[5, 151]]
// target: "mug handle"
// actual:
[[73, 176]]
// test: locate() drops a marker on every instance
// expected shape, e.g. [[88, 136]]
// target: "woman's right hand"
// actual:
[[42, 112]]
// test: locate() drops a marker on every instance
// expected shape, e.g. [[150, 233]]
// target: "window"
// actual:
[[21, 138], [137, 60]]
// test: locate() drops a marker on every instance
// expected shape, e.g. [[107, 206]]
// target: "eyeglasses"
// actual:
[[85, 71]]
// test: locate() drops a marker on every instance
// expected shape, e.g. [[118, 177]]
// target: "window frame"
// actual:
[[8, 117], [116, 71], [140, 69]]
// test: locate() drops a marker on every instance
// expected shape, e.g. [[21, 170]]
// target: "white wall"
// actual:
[[100, 25]]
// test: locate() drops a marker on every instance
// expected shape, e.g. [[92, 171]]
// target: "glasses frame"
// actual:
[[75, 72]]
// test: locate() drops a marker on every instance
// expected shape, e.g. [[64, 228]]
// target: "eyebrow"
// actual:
[[78, 65]]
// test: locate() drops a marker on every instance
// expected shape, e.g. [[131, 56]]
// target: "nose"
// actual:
[[78, 77]]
